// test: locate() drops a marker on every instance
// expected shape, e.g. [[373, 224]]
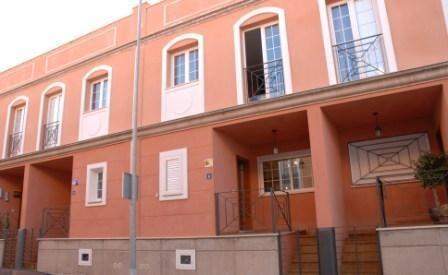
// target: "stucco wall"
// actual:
[[231, 255], [416, 250], [2, 251]]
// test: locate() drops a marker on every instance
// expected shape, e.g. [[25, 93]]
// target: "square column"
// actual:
[[326, 160]]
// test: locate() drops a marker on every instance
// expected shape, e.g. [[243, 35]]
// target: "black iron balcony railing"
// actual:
[[265, 80], [360, 58], [15, 144], [51, 134]]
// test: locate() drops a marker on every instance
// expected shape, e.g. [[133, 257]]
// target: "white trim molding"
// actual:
[[237, 36], [90, 167], [199, 94], [85, 115], [61, 86], [387, 35], [445, 12], [8, 118], [177, 162]]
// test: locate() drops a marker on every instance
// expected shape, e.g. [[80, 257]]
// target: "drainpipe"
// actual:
[[134, 152]]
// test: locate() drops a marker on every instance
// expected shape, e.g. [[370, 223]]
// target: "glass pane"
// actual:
[[18, 121], [274, 79], [194, 65], [95, 99], [105, 93], [179, 69]]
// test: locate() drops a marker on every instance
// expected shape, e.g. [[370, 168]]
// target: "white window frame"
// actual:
[[238, 45], [282, 156], [327, 35], [101, 94], [59, 86], [90, 169], [355, 29], [186, 53], [163, 158], [445, 12], [8, 123], [262, 28], [22, 120]]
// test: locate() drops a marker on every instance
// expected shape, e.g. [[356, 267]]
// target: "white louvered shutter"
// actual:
[[173, 175]]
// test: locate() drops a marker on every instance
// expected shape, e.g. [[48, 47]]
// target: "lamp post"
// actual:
[[134, 151]]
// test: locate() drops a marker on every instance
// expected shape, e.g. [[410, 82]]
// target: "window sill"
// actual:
[[99, 111], [293, 192], [95, 203], [182, 86]]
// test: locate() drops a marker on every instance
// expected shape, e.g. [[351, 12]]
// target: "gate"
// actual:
[[8, 231]]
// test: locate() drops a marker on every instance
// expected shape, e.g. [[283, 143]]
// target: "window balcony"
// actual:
[[265, 80], [361, 58], [15, 144], [51, 134]]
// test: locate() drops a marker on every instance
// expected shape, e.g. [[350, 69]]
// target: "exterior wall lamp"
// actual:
[[378, 129]]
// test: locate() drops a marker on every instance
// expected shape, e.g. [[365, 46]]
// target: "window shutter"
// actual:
[[173, 184], [173, 175]]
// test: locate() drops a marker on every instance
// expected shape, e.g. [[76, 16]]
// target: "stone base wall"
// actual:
[[415, 250], [227, 255], [2, 251]]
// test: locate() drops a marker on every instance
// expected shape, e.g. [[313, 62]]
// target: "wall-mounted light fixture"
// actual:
[[274, 137], [378, 129]]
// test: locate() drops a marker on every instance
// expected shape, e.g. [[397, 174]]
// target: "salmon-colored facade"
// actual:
[[227, 118]]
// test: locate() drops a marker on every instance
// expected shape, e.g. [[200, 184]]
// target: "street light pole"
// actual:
[[134, 152]]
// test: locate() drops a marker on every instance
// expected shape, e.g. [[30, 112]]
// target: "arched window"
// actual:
[[15, 127], [264, 71], [183, 76], [95, 102], [50, 116]]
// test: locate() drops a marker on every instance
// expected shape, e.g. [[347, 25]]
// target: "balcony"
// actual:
[[264, 80], [15, 144], [51, 134], [361, 58]]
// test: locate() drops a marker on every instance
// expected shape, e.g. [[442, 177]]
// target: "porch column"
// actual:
[[444, 117], [326, 160], [42, 188]]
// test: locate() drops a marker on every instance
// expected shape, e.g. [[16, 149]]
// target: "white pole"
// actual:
[[134, 152]]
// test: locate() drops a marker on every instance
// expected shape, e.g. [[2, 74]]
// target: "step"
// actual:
[[361, 267]]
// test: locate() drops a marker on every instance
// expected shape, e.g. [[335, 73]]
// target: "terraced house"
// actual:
[[267, 130]]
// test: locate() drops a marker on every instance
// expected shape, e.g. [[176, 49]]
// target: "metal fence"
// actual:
[[358, 250], [243, 211], [298, 253]]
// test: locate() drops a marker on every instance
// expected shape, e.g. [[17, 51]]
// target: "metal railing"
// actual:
[[360, 58], [241, 211], [358, 250], [50, 134], [298, 252], [265, 80], [55, 223], [15, 144]]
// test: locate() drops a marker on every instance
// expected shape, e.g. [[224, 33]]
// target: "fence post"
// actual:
[[326, 245], [20, 248], [274, 221], [380, 188], [280, 254], [289, 212], [217, 216]]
